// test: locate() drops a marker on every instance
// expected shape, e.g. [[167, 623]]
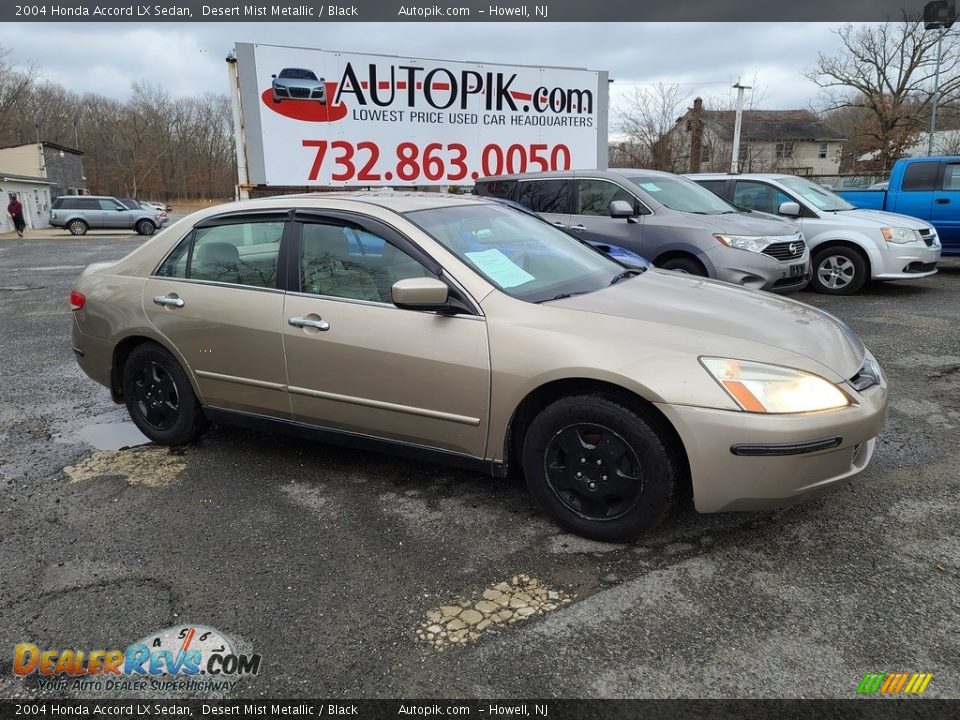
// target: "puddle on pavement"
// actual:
[[110, 436], [149, 466], [504, 603]]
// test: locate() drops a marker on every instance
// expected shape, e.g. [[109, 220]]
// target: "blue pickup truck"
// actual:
[[927, 188]]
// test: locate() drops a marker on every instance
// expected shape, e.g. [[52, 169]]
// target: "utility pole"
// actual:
[[937, 15], [735, 160]]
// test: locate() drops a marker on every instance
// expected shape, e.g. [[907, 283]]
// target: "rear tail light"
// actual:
[[77, 300]]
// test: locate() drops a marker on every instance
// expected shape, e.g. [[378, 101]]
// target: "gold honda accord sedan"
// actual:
[[460, 330]]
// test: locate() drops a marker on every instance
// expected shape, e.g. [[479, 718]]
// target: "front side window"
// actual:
[[111, 205], [347, 262], [758, 196], [594, 197], [546, 196], [242, 253], [951, 177], [522, 255]]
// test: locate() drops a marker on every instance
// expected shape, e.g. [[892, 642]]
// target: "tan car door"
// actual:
[[357, 363], [215, 299]]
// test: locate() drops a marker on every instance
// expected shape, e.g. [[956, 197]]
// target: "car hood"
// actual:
[[746, 224], [878, 218], [734, 318]]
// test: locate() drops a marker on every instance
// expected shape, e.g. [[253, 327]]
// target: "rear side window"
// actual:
[[920, 176], [239, 253], [546, 196], [498, 189], [86, 204]]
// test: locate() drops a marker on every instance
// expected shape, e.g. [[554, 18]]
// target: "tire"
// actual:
[[159, 397], [77, 227], [604, 438], [684, 265], [145, 227], [838, 270]]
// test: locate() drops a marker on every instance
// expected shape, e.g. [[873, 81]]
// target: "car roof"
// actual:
[[564, 174], [747, 176], [399, 202]]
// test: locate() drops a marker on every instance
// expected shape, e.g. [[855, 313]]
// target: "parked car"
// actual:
[[665, 218], [159, 207], [298, 84], [452, 328], [849, 246], [129, 203], [79, 213], [927, 188]]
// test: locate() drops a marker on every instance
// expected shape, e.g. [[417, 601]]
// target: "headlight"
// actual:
[[743, 242], [762, 388], [899, 235]]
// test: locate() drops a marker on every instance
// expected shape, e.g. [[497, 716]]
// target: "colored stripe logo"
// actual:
[[894, 683]]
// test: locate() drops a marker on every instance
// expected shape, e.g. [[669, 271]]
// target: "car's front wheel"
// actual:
[[77, 227], [838, 270], [684, 265], [159, 397], [600, 467], [145, 227]]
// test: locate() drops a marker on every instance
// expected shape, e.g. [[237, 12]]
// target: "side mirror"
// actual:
[[423, 293], [791, 209], [621, 209], [122, 209], [274, 77]]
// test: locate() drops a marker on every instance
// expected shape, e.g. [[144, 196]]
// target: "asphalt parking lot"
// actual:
[[328, 561]]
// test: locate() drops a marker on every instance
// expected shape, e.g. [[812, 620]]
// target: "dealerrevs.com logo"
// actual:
[[896, 683], [192, 658]]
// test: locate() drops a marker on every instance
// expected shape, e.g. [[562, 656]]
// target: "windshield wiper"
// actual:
[[629, 272], [561, 296]]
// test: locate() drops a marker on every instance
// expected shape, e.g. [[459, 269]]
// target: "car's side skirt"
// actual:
[[355, 440]]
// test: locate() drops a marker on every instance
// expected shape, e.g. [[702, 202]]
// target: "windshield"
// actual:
[[816, 195], [682, 195], [297, 74], [522, 255]]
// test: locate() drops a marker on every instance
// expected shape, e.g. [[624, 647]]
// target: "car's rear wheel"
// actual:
[[159, 397], [838, 270], [77, 227], [600, 467], [145, 227], [684, 265]]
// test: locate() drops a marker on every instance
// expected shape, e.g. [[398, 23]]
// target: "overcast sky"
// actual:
[[187, 59]]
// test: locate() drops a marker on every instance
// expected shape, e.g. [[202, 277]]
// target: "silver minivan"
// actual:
[[671, 221]]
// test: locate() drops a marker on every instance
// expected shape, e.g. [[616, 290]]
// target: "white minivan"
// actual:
[[849, 246]]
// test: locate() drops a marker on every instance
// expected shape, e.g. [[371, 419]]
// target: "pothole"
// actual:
[[109, 436], [149, 466], [503, 603]]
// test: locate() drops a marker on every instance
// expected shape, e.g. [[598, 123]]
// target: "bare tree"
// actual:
[[646, 119], [888, 70]]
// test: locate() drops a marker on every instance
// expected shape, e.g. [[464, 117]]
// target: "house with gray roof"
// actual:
[[789, 141]]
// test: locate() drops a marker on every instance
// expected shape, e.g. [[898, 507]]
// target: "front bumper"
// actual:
[[806, 462], [756, 270], [910, 260]]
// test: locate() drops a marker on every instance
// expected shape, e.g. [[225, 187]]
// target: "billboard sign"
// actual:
[[315, 117]]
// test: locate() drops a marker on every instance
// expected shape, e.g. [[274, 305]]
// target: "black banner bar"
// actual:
[[459, 11], [857, 709]]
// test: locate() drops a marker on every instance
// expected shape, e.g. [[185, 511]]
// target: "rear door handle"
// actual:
[[578, 228], [942, 201], [321, 325], [169, 300], [559, 224]]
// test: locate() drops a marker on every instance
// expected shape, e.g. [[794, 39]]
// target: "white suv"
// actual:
[[849, 246]]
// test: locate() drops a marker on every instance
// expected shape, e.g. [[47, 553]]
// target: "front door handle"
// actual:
[[559, 224], [169, 300], [578, 228], [321, 325], [942, 201]]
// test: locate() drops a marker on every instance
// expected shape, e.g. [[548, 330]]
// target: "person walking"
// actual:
[[15, 210]]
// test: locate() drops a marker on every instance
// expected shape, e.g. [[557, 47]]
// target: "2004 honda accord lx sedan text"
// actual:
[[458, 329]]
